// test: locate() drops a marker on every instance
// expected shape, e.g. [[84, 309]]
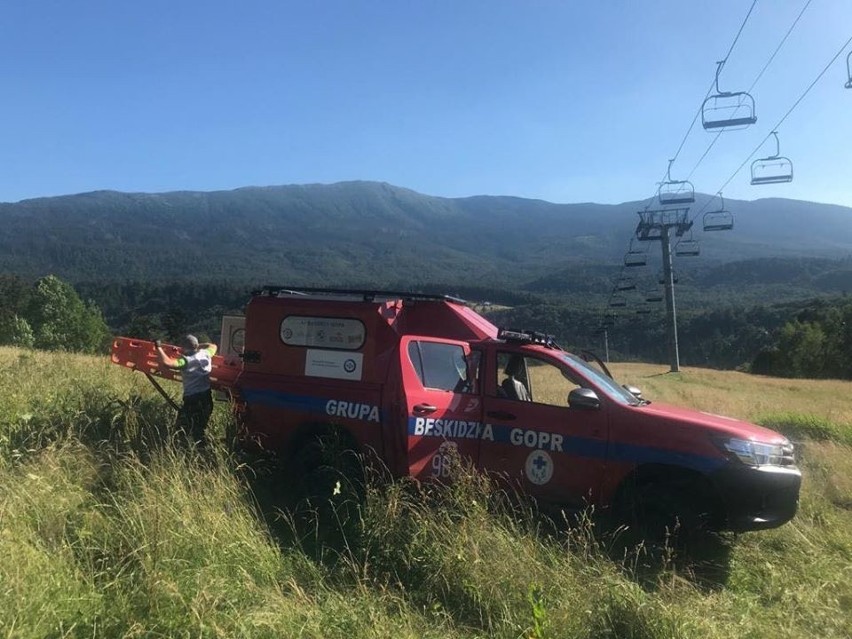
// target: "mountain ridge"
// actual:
[[370, 231]]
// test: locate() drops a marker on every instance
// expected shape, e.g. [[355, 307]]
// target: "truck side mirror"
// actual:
[[583, 398], [636, 392]]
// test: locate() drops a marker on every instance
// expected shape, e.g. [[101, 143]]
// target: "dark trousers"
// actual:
[[193, 416]]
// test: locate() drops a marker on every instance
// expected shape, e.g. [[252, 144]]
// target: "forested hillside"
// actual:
[[368, 232], [158, 265]]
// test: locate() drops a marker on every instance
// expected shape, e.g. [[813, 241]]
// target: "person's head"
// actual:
[[189, 343]]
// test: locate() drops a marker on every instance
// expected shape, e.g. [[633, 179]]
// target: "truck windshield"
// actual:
[[607, 384]]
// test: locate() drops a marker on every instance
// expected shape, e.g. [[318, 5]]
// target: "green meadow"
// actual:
[[109, 530]]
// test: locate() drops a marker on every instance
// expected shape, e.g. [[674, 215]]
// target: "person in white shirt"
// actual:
[[194, 364]]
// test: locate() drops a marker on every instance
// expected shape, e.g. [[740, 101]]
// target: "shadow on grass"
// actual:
[[704, 560], [701, 558], [321, 528]]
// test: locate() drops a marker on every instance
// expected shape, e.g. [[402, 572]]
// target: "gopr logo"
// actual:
[[539, 467]]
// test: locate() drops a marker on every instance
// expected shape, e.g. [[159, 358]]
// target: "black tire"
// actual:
[[672, 509], [328, 476]]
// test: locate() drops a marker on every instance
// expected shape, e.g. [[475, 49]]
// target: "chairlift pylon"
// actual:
[[774, 169], [661, 277], [727, 110], [719, 219], [675, 191]]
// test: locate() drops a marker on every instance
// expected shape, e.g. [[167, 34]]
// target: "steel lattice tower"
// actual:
[[659, 225]]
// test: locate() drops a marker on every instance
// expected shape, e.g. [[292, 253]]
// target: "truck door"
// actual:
[[442, 402], [533, 437]]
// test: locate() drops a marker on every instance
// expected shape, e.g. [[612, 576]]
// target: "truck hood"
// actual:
[[724, 426]]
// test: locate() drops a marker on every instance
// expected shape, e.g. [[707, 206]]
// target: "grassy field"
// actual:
[[106, 530]]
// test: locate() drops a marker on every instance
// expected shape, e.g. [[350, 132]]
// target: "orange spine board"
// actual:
[[141, 355]]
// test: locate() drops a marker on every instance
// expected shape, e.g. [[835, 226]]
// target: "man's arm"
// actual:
[[210, 347], [165, 360]]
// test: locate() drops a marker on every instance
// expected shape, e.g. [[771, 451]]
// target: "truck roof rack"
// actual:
[[349, 294], [526, 337]]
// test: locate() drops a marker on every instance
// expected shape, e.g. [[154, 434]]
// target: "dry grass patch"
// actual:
[[750, 397]]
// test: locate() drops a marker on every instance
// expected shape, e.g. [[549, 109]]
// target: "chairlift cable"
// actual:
[[713, 83], [781, 121], [737, 37], [780, 44], [754, 83]]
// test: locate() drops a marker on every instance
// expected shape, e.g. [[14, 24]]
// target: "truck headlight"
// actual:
[[758, 453]]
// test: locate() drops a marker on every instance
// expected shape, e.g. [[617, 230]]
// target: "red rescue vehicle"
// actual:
[[410, 377]]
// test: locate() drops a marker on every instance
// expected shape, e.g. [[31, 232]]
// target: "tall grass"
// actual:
[[106, 530]]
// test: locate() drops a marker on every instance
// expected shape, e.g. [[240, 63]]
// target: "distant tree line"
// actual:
[[788, 339], [793, 339], [816, 343]]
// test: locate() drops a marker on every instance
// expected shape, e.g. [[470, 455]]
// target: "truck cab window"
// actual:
[[442, 366], [532, 379]]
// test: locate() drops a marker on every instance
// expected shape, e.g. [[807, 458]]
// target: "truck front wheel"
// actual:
[[672, 506]]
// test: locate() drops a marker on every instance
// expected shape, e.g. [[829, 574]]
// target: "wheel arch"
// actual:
[[671, 474]]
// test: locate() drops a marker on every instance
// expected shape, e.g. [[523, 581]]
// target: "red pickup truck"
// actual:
[[415, 380]]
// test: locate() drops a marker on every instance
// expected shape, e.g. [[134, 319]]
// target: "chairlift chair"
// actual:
[[654, 297], [633, 260], [625, 284], [727, 110], [617, 301], [774, 169], [643, 311], [687, 247], [719, 219], [635, 256], [675, 191]]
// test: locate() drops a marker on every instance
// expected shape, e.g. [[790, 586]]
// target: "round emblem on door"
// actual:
[[539, 467]]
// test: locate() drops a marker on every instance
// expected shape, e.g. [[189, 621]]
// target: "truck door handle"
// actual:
[[424, 409], [501, 414]]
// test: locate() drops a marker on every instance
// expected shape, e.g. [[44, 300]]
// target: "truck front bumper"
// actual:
[[756, 498]]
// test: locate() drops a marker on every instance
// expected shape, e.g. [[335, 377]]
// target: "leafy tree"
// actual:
[[145, 327], [60, 320], [16, 331], [803, 346]]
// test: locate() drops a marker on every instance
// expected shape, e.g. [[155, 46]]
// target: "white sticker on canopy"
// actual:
[[333, 364], [328, 332]]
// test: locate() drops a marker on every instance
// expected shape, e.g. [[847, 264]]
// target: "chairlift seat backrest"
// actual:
[[718, 221], [728, 111], [687, 248], [676, 192], [635, 259], [772, 170], [625, 284]]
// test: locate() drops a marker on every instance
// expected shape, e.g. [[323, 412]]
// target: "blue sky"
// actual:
[[566, 101]]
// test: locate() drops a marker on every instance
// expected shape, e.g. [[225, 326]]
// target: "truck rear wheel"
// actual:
[[328, 475]]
